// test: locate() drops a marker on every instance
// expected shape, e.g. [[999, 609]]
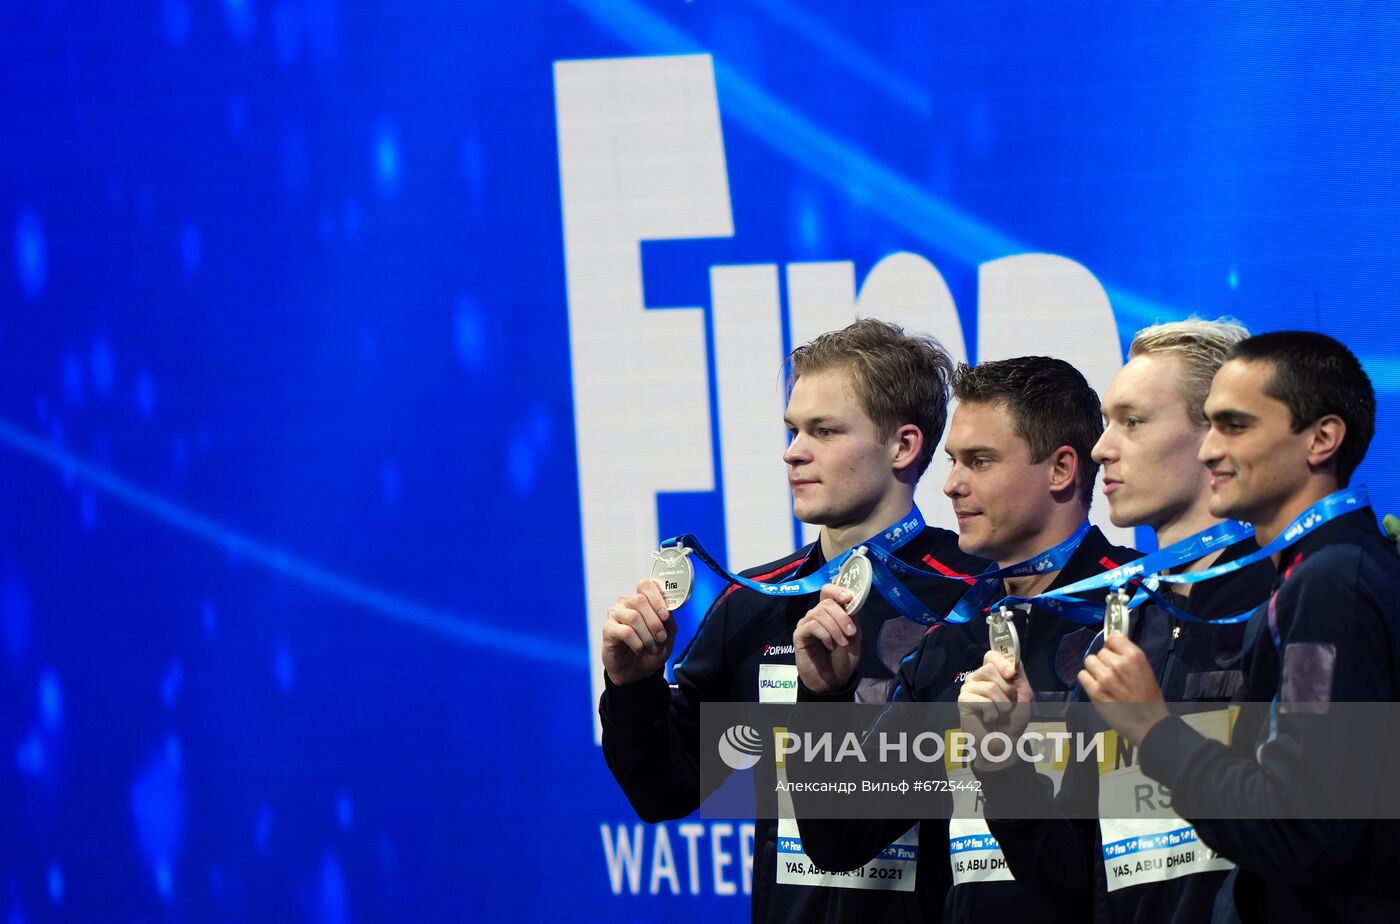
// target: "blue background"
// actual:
[[286, 436]]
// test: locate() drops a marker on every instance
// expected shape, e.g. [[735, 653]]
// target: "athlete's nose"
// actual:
[[955, 485]]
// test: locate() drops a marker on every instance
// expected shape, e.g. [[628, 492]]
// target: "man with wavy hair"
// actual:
[[866, 407]]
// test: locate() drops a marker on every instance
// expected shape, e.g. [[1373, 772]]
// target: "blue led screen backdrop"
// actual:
[[353, 355]]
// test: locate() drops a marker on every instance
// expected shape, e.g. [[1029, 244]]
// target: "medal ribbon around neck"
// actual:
[[1147, 573], [887, 542], [988, 584]]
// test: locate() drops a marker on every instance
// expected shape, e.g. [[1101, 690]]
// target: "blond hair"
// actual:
[[1201, 346]]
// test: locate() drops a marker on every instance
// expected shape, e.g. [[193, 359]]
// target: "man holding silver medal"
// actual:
[[1020, 484], [1154, 424], [1291, 415], [866, 408]]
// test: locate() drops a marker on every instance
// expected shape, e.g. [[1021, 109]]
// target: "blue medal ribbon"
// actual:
[[1148, 573], [881, 549], [1324, 511], [793, 588], [1065, 602], [888, 569], [1310, 520], [887, 543]]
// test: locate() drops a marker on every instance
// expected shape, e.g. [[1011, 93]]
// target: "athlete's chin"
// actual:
[[1227, 505], [820, 515], [1122, 512], [804, 511], [972, 539]]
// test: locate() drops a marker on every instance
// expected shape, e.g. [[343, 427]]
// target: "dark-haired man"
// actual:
[[1291, 416], [1022, 479], [867, 404]]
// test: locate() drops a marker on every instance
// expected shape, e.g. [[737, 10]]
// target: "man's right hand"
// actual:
[[826, 643], [995, 698], [639, 635]]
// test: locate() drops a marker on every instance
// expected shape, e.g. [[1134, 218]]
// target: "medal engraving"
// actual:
[[1115, 614], [671, 568], [856, 576], [1001, 632]]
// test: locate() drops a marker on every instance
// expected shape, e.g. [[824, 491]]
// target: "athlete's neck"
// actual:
[[1188, 522], [1271, 525], [1056, 531], [1058, 527], [1030, 585], [836, 538], [1194, 520]]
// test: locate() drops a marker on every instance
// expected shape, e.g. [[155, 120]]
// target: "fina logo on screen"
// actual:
[[642, 158]]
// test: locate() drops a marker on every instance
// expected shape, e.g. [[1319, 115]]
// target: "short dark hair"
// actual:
[[1315, 375], [1051, 404], [898, 378]]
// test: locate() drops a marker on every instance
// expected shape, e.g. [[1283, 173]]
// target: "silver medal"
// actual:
[[856, 576], [671, 568], [1001, 632], [1115, 614]]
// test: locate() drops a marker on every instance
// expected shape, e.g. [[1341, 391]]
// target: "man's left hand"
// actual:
[[1124, 688]]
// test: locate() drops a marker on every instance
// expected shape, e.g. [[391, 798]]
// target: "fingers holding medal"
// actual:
[[826, 642], [832, 621], [638, 637], [856, 576]]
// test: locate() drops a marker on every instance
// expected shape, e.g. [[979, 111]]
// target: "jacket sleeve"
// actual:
[[1334, 649], [846, 844], [1051, 855], [651, 729], [1051, 840]]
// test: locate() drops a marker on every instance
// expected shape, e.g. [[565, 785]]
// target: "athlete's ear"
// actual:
[[1325, 440], [907, 445], [1064, 469]]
